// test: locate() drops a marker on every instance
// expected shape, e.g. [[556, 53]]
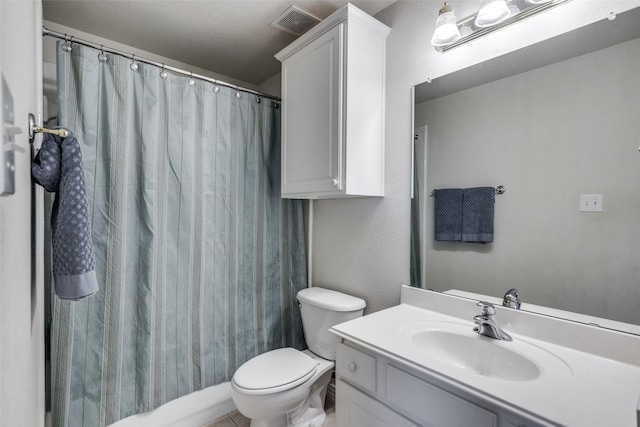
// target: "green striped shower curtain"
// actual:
[[198, 258]]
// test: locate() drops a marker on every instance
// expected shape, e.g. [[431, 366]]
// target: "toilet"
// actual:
[[287, 387]]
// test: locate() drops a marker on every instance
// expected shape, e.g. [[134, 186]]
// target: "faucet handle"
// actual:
[[511, 299], [487, 308]]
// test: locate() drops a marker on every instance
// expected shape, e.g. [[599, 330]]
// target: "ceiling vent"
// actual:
[[295, 21]]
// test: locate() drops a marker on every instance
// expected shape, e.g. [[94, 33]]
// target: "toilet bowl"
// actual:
[[286, 400], [287, 387]]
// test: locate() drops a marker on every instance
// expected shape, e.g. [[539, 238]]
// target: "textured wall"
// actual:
[[361, 246]]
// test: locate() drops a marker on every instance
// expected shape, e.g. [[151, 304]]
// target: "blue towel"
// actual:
[[58, 168], [477, 214], [448, 214]]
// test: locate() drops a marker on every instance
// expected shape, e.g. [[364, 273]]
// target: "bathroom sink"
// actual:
[[458, 346]]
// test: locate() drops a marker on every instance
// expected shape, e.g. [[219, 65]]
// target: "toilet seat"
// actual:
[[274, 371]]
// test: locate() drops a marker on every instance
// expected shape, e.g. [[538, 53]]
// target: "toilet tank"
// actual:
[[320, 310]]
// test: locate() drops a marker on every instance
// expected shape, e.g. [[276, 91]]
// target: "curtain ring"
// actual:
[[191, 81]]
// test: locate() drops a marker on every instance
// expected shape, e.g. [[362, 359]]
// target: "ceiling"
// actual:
[[229, 37]]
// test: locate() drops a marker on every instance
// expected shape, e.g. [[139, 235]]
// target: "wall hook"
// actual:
[[33, 129]]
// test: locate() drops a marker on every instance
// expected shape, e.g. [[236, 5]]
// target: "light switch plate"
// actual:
[[591, 203]]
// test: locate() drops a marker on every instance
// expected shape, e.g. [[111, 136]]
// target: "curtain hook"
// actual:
[[163, 73], [216, 88], [191, 81], [238, 94], [101, 56], [134, 64], [66, 46]]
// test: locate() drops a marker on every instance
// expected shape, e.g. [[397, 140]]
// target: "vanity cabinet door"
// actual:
[[312, 142], [356, 409], [430, 405]]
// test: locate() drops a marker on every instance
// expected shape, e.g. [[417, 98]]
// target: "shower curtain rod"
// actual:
[[72, 39]]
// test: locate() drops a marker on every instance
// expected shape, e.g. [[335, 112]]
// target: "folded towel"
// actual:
[[448, 214], [477, 214], [58, 168]]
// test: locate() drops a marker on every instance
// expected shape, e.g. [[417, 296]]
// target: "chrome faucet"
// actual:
[[487, 325], [511, 299]]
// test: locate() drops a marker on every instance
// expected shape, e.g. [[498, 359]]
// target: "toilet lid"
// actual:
[[279, 369]]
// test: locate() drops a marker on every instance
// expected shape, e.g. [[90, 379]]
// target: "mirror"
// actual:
[[550, 122]]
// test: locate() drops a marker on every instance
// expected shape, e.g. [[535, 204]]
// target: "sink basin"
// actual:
[[477, 354], [458, 346]]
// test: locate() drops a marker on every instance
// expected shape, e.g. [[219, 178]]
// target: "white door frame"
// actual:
[[21, 273]]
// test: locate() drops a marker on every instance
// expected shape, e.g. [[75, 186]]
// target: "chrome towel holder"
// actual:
[[500, 189], [33, 129]]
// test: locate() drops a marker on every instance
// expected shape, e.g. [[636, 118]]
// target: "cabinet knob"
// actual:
[[334, 182], [351, 366]]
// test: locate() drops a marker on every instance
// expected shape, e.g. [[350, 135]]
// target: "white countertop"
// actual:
[[587, 390]]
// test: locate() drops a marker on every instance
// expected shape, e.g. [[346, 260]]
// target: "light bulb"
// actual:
[[492, 12]]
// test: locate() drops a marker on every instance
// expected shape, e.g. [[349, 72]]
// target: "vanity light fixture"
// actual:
[[493, 15], [447, 30]]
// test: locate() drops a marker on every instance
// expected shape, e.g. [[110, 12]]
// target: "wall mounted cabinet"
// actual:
[[333, 80]]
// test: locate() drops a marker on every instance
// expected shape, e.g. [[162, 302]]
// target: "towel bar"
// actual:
[[33, 129], [500, 189]]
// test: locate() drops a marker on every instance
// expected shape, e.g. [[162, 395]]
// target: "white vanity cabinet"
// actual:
[[421, 363], [373, 390], [333, 80]]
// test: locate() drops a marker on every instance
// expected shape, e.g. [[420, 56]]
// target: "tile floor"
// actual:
[[234, 419]]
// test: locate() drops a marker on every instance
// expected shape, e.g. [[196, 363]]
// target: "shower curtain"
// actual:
[[198, 258]]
